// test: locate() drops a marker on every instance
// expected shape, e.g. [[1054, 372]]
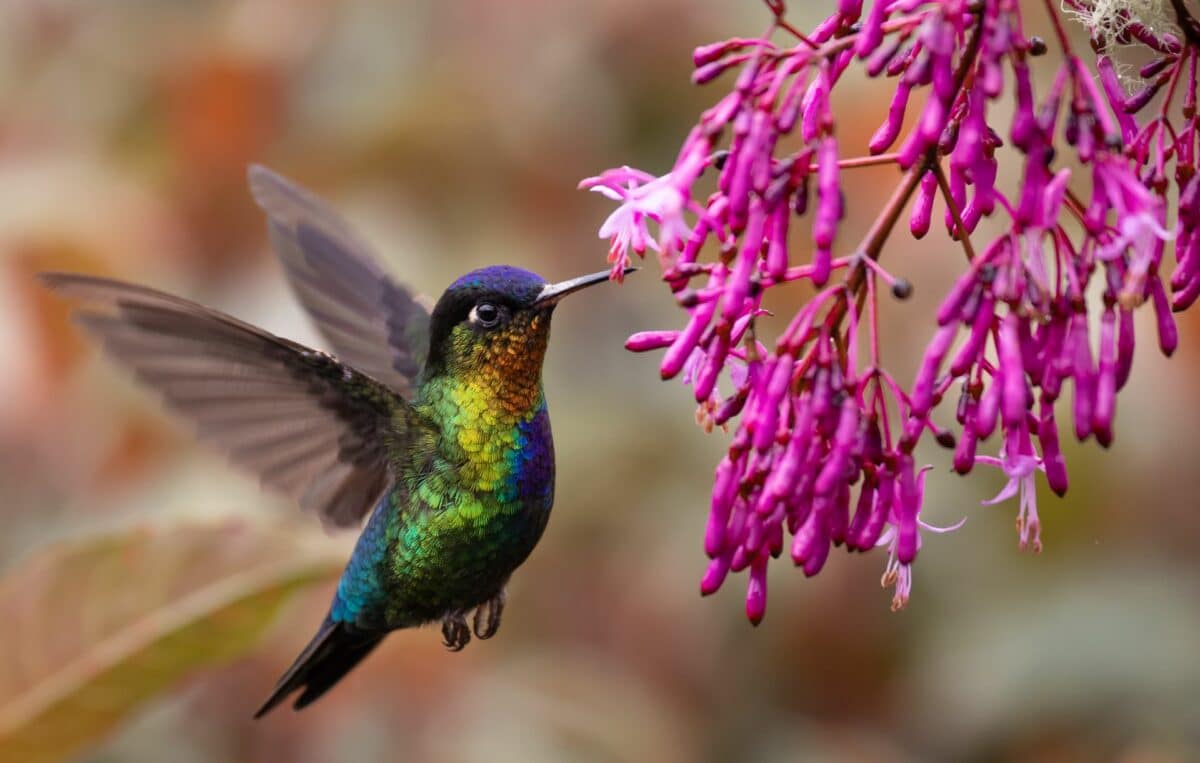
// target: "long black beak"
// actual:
[[553, 292]]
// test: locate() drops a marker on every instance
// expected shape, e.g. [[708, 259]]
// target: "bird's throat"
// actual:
[[484, 419]]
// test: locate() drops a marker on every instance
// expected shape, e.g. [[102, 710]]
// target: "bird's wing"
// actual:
[[372, 322], [305, 423]]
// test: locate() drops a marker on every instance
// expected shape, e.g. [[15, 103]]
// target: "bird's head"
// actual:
[[495, 321]]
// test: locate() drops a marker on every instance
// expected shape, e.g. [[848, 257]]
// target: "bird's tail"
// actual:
[[331, 654]]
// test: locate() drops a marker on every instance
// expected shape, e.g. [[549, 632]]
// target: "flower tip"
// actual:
[[714, 576], [1029, 533], [620, 270], [814, 564], [644, 341], [1034, 546]]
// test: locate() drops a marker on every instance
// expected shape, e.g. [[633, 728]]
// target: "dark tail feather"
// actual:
[[331, 654]]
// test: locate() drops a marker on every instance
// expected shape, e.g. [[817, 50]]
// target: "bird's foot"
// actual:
[[487, 616], [455, 632]]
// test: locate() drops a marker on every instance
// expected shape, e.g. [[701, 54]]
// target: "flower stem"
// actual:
[[1059, 31], [1187, 22], [872, 244], [778, 8], [862, 161], [956, 215], [1176, 73]]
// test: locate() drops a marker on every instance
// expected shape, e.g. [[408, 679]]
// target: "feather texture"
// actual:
[[372, 322], [305, 423]]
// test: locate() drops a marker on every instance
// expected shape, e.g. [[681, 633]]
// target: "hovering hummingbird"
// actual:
[[434, 423]]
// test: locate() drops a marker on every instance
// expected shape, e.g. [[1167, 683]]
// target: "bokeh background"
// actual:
[[150, 596]]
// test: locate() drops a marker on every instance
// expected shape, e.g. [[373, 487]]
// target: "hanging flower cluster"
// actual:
[[822, 454]]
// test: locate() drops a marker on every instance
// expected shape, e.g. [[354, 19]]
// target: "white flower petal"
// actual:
[[1010, 489]]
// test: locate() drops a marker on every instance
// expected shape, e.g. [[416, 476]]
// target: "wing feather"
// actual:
[[307, 424], [372, 322]]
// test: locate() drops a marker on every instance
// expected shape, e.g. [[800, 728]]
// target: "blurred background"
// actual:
[[151, 596]]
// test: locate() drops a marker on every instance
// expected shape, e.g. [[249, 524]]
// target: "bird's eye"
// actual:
[[485, 315]]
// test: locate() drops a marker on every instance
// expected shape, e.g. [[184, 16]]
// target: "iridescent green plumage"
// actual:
[[471, 502], [452, 457]]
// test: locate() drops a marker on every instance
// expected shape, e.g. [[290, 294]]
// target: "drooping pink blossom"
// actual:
[[822, 452], [642, 198], [1019, 464]]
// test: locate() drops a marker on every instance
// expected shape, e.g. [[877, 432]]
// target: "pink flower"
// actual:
[[1140, 222], [643, 197], [823, 435], [899, 574], [1020, 469]]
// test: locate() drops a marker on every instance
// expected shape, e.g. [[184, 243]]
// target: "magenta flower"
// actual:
[[643, 198], [898, 574], [822, 449], [1019, 465]]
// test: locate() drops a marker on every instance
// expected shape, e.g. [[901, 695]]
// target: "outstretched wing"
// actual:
[[371, 322], [306, 424]]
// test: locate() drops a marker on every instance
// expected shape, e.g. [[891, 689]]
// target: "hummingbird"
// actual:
[[432, 422]]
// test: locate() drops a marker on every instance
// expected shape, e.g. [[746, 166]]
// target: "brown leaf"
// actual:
[[96, 628]]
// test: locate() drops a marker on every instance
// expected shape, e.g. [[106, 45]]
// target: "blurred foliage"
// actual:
[[452, 135], [94, 628]]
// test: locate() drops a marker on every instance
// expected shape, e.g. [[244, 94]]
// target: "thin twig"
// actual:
[[955, 214], [872, 243], [1187, 22], [862, 161], [1059, 31], [778, 8]]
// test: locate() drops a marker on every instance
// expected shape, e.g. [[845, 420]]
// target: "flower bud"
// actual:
[[643, 341], [935, 353], [922, 208], [756, 591]]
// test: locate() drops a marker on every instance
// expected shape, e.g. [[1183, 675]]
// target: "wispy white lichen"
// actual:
[[1110, 17]]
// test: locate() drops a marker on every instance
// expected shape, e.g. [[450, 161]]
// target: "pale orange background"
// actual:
[[452, 134]]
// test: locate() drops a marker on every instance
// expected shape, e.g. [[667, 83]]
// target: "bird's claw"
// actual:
[[487, 616], [455, 632]]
